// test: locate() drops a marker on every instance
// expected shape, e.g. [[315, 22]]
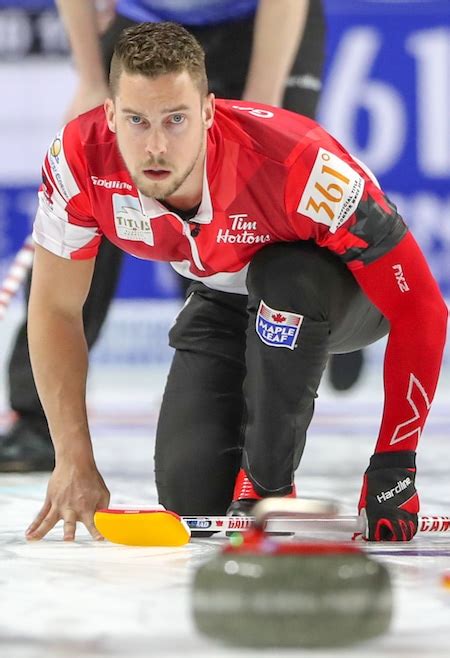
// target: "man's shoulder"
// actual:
[[83, 146], [91, 145], [93, 128], [273, 132]]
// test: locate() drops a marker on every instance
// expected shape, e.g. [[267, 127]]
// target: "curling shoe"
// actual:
[[26, 447], [245, 497]]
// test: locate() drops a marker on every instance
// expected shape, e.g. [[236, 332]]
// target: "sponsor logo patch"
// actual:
[[332, 192], [400, 278], [130, 222], [60, 169], [243, 231], [277, 328], [390, 493], [110, 184], [55, 148]]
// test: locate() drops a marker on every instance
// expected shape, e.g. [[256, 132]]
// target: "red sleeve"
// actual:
[[336, 201], [401, 285]]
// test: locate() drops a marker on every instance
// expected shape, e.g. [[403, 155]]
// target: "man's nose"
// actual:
[[156, 143]]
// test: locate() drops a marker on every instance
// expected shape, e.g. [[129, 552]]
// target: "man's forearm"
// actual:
[[418, 317], [278, 32], [59, 359], [79, 19]]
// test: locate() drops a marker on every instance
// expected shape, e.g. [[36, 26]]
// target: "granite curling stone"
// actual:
[[268, 594]]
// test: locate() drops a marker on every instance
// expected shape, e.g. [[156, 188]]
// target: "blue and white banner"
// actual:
[[387, 99]]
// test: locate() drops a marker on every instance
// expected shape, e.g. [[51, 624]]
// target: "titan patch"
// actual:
[[277, 328]]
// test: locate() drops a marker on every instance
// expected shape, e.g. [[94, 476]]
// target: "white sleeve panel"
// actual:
[[53, 232], [60, 169]]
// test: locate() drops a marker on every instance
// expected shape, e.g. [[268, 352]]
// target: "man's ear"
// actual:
[[208, 110], [110, 114]]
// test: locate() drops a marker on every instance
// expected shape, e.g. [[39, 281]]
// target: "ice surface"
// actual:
[[91, 599]]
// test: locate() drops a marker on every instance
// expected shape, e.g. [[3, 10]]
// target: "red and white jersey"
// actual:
[[270, 176]]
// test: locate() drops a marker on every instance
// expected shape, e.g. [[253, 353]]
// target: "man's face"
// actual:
[[160, 124]]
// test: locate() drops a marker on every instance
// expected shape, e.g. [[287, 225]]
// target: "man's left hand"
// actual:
[[389, 502]]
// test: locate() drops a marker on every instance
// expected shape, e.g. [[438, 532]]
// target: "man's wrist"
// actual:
[[82, 453], [76, 449], [393, 459]]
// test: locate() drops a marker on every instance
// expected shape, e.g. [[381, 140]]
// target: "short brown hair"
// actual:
[[153, 49]]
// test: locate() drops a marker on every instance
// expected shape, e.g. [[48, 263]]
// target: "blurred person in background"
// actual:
[[259, 50]]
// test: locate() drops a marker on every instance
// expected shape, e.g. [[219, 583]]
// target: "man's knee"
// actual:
[[303, 278], [297, 275], [197, 484]]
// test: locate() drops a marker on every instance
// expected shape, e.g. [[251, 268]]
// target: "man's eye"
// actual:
[[177, 118], [136, 120]]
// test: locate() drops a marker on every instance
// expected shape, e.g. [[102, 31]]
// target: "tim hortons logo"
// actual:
[[242, 231], [400, 277]]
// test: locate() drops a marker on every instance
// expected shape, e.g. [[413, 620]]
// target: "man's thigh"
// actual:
[[314, 282]]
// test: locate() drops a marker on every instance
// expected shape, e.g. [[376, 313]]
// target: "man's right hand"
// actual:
[[59, 356], [74, 493]]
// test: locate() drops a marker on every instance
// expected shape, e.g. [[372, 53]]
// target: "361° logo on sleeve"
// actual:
[[332, 192]]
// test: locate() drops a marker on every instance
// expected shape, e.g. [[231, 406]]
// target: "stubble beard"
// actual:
[[162, 190]]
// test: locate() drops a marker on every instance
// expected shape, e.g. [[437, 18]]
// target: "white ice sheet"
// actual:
[[94, 599]]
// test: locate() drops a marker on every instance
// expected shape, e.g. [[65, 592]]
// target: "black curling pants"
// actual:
[[233, 400]]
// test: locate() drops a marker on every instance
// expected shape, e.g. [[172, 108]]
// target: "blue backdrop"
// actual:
[[386, 97]]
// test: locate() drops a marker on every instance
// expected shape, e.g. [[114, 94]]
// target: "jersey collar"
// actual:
[[152, 208]]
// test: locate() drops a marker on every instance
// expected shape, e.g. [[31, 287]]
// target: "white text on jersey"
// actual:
[[242, 231], [110, 184], [401, 281]]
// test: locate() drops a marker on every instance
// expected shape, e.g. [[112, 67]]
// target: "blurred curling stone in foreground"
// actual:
[[261, 593]]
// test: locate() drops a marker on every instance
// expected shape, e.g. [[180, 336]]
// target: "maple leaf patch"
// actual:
[[277, 328]]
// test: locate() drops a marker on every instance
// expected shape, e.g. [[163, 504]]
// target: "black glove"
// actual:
[[389, 502]]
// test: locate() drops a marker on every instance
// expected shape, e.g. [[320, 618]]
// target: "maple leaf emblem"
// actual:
[[278, 317], [219, 523]]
